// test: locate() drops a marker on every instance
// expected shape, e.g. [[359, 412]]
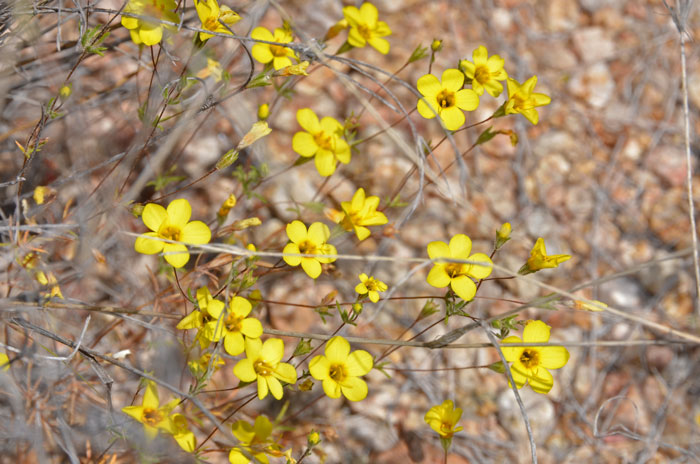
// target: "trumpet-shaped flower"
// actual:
[[446, 98], [212, 16], [323, 140], [149, 31], [365, 27], [182, 434], [359, 213], [340, 370], [311, 242], [255, 439], [522, 99], [151, 414], [539, 260], [530, 363], [485, 72], [370, 286], [265, 53], [171, 224], [232, 325], [458, 275], [263, 364], [443, 418]]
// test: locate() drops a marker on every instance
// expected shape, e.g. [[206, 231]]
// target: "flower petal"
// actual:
[[319, 233], [429, 85], [275, 387], [331, 387], [272, 350], [369, 14], [150, 34], [379, 44], [480, 55], [153, 216], [261, 52], [542, 382], [308, 120], [179, 212], [251, 327], [337, 350], [234, 344], [359, 363], [176, 254], [536, 332], [296, 231], [438, 249], [460, 246], [437, 277], [354, 389], [464, 287], [319, 367], [452, 79], [479, 271], [148, 246], [244, 370], [286, 373], [291, 260], [452, 117], [195, 233], [467, 99], [325, 162], [553, 357], [511, 353], [311, 266], [262, 387], [427, 110], [304, 144]]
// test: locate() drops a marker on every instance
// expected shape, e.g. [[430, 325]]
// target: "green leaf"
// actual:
[[419, 53]]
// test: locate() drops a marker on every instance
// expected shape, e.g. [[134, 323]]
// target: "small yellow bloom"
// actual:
[[263, 111], [232, 325], [340, 370], [65, 91], [522, 99], [4, 362], [265, 53], [436, 45], [182, 434], [227, 205], [359, 213], [199, 367], [370, 286], [457, 275], [255, 439], [151, 414], [171, 224], [443, 418], [258, 130], [484, 72], [311, 242], [503, 235], [365, 27], [263, 364], [446, 99], [41, 192], [150, 32], [323, 140], [313, 439], [539, 260], [294, 70], [212, 16], [213, 69], [530, 363]]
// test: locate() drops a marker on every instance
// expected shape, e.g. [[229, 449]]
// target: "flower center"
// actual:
[[307, 247], [262, 368], [170, 232], [337, 372], [324, 141], [151, 416], [454, 269], [530, 358], [211, 23], [446, 98], [278, 50], [446, 429], [233, 323], [364, 31], [482, 74]]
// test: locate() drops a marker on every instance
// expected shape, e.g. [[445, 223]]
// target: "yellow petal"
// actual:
[[296, 231], [337, 350], [319, 367], [318, 233], [460, 246], [291, 260], [244, 370], [480, 55], [359, 363], [511, 353], [331, 388], [369, 14], [464, 287], [179, 212], [429, 85], [325, 162], [272, 350], [261, 52], [452, 117], [553, 357], [308, 120], [196, 233], [304, 144], [153, 216], [179, 256], [354, 389], [536, 332], [437, 277], [427, 110], [480, 271], [438, 249], [467, 99], [543, 382], [148, 246], [311, 266], [452, 79], [379, 44]]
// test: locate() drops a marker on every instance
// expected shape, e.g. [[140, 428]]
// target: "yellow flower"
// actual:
[[457, 275], [539, 260], [530, 363], [313, 439], [521, 99], [227, 205], [365, 28], [4, 362], [263, 364], [311, 242], [150, 32], [502, 235], [322, 139], [446, 99], [213, 69], [196, 319], [199, 367], [233, 325], [294, 70], [151, 414], [212, 16], [358, 213], [171, 224], [182, 434], [263, 111], [279, 55], [340, 370], [255, 439], [443, 418], [484, 72], [370, 286]]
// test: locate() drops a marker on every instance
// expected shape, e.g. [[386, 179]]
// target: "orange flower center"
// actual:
[[337, 372], [307, 247], [324, 141], [278, 50], [446, 98], [446, 429], [233, 323], [262, 368], [455, 269], [211, 23], [151, 416], [482, 74], [530, 358], [170, 232], [364, 31]]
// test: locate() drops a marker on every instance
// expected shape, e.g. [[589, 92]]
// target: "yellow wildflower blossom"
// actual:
[[539, 260], [522, 99], [233, 325], [371, 287], [446, 98], [485, 72], [457, 275], [530, 363], [323, 140], [443, 419], [151, 414], [255, 439], [171, 224], [212, 16], [359, 213], [312, 242], [265, 53], [145, 31], [182, 434], [199, 367], [263, 111], [365, 27], [340, 370], [262, 363]]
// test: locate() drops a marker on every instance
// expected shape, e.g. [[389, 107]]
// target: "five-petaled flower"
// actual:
[[485, 72], [365, 28], [322, 139], [311, 242], [212, 16], [539, 260], [171, 224], [151, 414], [446, 98], [340, 370], [359, 213], [255, 439], [149, 31], [443, 418], [458, 275], [522, 99], [182, 433], [263, 364], [370, 286], [265, 53], [530, 363], [232, 325]]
